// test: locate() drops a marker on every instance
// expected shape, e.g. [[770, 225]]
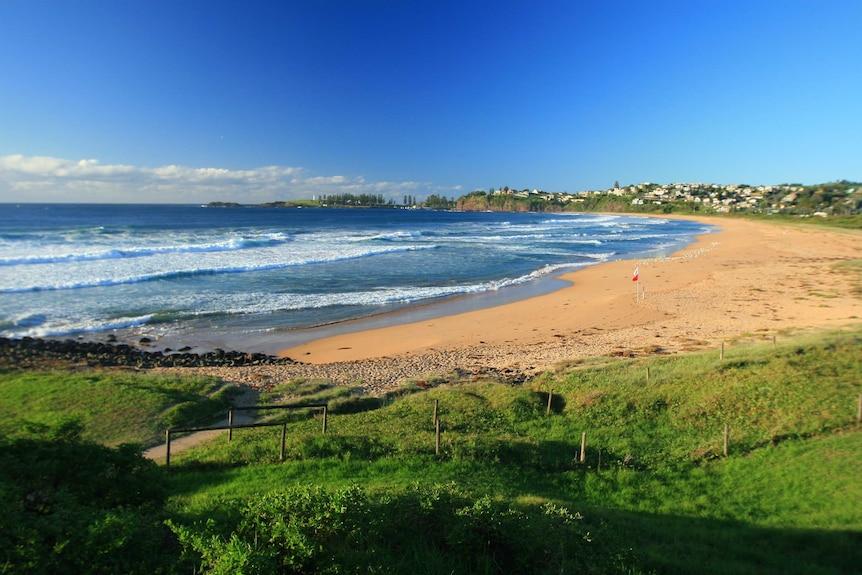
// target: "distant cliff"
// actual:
[[482, 202]]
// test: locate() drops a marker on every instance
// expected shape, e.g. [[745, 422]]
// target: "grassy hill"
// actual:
[[507, 491], [110, 407]]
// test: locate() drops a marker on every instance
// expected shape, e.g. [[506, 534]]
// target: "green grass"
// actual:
[[766, 396], [112, 406], [654, 495], [784, 501], [850, 222]]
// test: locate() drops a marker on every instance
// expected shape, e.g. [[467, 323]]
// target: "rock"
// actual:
[[29, 353]]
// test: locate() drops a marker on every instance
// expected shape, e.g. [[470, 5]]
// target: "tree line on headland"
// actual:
[[840, 198]]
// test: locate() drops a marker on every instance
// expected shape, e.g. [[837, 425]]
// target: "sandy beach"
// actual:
[[747, 279]]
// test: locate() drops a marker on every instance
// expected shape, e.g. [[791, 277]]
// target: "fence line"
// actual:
[[231, 426], [171, 431], [581, 455], [259, 407]]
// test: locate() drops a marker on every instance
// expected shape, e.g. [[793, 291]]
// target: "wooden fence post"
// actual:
[[550, 399], [859, 410], [283, 437], [647, 374], [436, 408], [721, 355], [437, 438], [583, 447], [324, 420], [167, 448], [726, 439], [773, 342], [230, 424]]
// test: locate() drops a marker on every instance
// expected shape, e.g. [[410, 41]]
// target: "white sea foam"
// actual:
[[118, 268], [16, 279], [59, 326], [50, 253]]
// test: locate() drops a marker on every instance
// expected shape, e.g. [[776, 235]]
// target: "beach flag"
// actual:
[[635, 276]]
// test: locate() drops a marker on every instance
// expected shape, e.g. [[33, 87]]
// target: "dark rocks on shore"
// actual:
[[33, 352]]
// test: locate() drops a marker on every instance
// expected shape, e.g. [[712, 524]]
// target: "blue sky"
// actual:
[[196, 101]]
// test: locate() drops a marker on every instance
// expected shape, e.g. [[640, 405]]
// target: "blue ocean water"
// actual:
[[162, 270]]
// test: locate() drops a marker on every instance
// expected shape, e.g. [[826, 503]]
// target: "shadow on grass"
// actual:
[[558, 402], [678, 544], [645, 543]]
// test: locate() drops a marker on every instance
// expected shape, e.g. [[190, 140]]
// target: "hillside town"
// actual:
[[840, 198], [835, 198]]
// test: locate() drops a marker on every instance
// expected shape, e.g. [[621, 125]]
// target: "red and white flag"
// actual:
[[635, 276]]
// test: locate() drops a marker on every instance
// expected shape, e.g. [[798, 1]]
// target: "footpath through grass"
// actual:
[[507, 492]]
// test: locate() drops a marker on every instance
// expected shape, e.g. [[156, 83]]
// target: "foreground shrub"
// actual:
[[70, 506], [424, 530]]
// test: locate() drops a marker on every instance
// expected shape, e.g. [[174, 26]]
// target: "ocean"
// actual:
[[253, 277]]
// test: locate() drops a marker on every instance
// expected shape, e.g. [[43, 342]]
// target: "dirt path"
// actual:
[[248, 398]]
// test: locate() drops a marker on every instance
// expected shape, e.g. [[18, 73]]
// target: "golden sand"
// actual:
[[748, 278]]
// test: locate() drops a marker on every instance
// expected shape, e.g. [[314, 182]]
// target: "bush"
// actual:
[[74, 507], [425, 529]]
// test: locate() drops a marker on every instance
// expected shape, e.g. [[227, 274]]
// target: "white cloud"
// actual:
[[47, 179]]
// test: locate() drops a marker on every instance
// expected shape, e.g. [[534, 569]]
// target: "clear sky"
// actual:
[[254, 101]]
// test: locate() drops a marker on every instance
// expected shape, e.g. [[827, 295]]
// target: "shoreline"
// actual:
[[275, 342], [747, 279], [740, 278], [275, 338]]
